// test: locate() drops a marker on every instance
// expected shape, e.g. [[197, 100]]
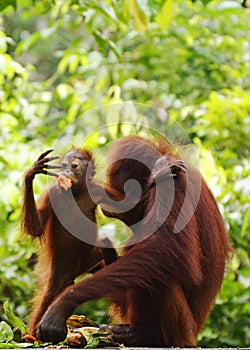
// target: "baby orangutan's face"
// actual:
[[73, 170]]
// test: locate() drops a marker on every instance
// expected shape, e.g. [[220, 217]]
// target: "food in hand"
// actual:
[[64, 182]]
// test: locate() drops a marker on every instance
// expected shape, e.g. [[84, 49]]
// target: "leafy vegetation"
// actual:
[[61, 59], [14, 334]]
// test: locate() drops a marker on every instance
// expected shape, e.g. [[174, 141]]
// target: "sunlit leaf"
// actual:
[[6, 333], [165, 14], [26, 44], [246, 222], [13, 319], [106, 43], [141, 18]]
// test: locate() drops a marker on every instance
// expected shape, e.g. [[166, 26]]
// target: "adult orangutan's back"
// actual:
[[165, 283]]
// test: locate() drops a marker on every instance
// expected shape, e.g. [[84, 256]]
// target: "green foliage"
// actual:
[[17, 282], [6, 3], [13, 319], [6, 333], [13, 332], [7, 330], [60, 59]]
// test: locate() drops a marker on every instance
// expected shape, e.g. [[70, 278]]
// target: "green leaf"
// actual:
[[6, 3], [104, 43], [14, 321], [92, 342], [141, 19], [122, 10], [165, 14], [106, 10], [6, 346], [6, 333], [14, 345], [21, 345], [26, 44], [246, 222], [205, 2]]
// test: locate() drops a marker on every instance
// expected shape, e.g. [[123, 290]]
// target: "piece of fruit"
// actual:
[[76, 339], [77, 321], [64, 182]]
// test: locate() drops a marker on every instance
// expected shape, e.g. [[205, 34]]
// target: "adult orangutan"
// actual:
[[164, 285], [63, 256]]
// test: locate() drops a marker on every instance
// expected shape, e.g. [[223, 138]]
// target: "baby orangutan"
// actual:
[[63, 256]]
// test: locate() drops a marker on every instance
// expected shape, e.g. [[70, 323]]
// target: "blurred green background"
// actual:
[[59, 59]]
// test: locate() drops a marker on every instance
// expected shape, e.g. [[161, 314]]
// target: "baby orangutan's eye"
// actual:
[[74, 165]]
